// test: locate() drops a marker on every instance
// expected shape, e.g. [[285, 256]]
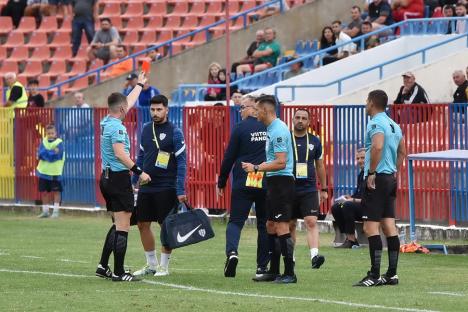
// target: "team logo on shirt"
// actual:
[[279, 140], [311, 147], [162, 136], [121, 132]]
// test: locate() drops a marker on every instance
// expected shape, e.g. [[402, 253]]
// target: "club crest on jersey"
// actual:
[[311, 147], [279, 140], [162, 136], [202, 232]]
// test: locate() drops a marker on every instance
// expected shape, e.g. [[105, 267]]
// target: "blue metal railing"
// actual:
[[407, 27], [380, 67]]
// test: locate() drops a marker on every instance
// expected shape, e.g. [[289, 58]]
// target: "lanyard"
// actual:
[[155, 139], [295, 147]]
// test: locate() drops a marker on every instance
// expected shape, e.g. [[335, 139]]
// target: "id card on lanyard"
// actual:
[[301, 168], [162, 159]]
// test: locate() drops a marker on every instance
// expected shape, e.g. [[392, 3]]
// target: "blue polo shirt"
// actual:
[[381, 123], [279, 141], [113, 131]]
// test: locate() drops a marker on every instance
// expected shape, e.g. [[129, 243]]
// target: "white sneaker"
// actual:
[[43, 215], [161, 271], [146, 270], [55, 215]]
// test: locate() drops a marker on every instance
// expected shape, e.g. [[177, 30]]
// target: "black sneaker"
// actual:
[[231, 264], [126, 277], [348, 244], [368, 281], [388, 280], [317, 261], [266, 277], [104, 272], [286, 279]]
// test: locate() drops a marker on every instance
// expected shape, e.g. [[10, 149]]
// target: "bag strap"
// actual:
[[177, 206]]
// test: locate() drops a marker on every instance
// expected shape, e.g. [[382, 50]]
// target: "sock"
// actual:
[[375, 249], [274, 252], [287, 250], [151, 259], [313, 252], [56, 208], [393, 244], [165, 258], [120, 248], [108, 247], [45, 208]]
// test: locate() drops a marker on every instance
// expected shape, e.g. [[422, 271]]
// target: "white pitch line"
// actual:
[[32, 257], [4, 254], [446, 293], [231, 293], [72, 261]]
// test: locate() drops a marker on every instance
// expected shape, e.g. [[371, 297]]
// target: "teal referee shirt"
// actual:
[[113, 131], [279, 141]]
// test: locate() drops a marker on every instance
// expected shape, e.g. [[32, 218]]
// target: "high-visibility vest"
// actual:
[[22, 102], [51, 168]]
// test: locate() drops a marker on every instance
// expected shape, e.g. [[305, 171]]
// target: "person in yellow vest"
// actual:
[[49, 170], [16, 94]]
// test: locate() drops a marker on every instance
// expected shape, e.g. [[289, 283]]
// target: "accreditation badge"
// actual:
[[301, 171], [254, 179], [162, 161]]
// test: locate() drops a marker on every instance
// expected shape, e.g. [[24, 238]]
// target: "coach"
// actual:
[[162, 155], [385, 152], [115, 183], [247, 144], [280, 190]]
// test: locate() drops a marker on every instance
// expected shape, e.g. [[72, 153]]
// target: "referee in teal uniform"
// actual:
[[385, 152], [115, 183]]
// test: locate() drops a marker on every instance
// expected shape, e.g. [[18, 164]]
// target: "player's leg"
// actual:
[[56, 188], [163, 269], [263, 257], [351, 212], [103, 269], [122, 226], [287, 251], [309, 206], [167, 201]]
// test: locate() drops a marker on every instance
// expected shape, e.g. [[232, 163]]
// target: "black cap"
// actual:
[[132, 76]]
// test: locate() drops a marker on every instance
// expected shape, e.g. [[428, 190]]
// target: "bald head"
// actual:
[[260, 35], [10, 78], [458, 77]]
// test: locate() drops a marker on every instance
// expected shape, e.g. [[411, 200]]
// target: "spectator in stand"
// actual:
[[372, 41], [122, 67], [213, 71], [327, 40], [37, 8], [461, 94], [146, 94], [406, 9], [411, 92], [15, 10], [273, 9], [249, 59], [130, 82], [105, 42], [153, 55], [354, 27], [266, 56], [35, 99], [222, 80], [449, 11], [85, 12], [65, 5], [236, 97], [460, 10], [16, 95], [80, 101], [295, 69], [380, 14], [341, 37]]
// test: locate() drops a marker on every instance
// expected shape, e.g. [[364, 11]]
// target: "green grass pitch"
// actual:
[[48, 265]]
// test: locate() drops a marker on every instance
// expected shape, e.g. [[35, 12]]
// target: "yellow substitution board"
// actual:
[[7, 167]]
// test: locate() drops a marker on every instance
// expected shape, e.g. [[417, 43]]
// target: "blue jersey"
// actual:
[[279, 141], [381, 123], [307, 153], [113, 131]]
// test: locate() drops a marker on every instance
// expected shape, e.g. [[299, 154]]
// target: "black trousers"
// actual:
[[346, 214]]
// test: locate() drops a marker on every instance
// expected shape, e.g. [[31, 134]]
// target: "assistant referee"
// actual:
[[115, 183], [385, 152]]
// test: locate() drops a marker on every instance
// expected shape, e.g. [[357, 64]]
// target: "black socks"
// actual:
[[393, 251], [120, 248], [275, 253], [287, 250], [108, 247], [375, 250]]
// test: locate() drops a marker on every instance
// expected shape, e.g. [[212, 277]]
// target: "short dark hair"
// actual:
[[106, 19], [354, 7], [238, 91], [336, 22], [159, 99], [379, 98], [367, 23], [33, 81], [459, 4], [218, 104], [50, 126], [115, 99], [123, 47], [302, 110], [267, 99]]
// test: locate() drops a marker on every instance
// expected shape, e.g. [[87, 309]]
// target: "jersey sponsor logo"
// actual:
[[258, 136], [279, 140], [183, 238], [278, 216], [162, 136]]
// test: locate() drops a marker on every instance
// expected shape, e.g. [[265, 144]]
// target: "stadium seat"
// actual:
[[172, 22], [234, 7], [198, 39], [27, 25], [135, 23], [214, 9], [14, 39], [44, 81], [153, 23], [156, 9], [3, 53], [7, 25], [81, 55], [57, 68], [8, 66], [190, 22], [163, 36], [32, 69], [110, 9], [37, 39], [206, 20], [116, 22], [147, 38], [78, 68], [130, 38], [180, 8], [19, 54], [133, 9], [60, 39], [62, 53], [41, 53], [247, 5], [198, 9], [66, 25], [49, 24]]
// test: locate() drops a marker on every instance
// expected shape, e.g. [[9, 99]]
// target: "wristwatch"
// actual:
[[324, 190], [256, 168], [371, 173]]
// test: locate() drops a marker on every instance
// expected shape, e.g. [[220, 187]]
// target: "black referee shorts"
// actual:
[[280, 198], [306, 204], [379, 203], [155, 206], [117, 191]]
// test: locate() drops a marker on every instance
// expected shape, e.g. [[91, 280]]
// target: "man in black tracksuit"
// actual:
[[247, 144], [411, 92]]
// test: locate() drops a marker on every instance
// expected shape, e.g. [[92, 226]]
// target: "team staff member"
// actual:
[[385, 152], [49, 170], [247, 144], [280, 190], [308, 163], [162, 156], [16, 93], [115, 183]]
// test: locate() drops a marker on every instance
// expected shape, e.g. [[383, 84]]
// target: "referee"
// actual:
[[247, 144], [115, 183], [385, 152], [280, 190]]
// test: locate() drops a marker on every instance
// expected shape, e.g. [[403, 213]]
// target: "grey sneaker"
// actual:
[[146, 270], [161, 271], [55, 215], [43, 215]]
